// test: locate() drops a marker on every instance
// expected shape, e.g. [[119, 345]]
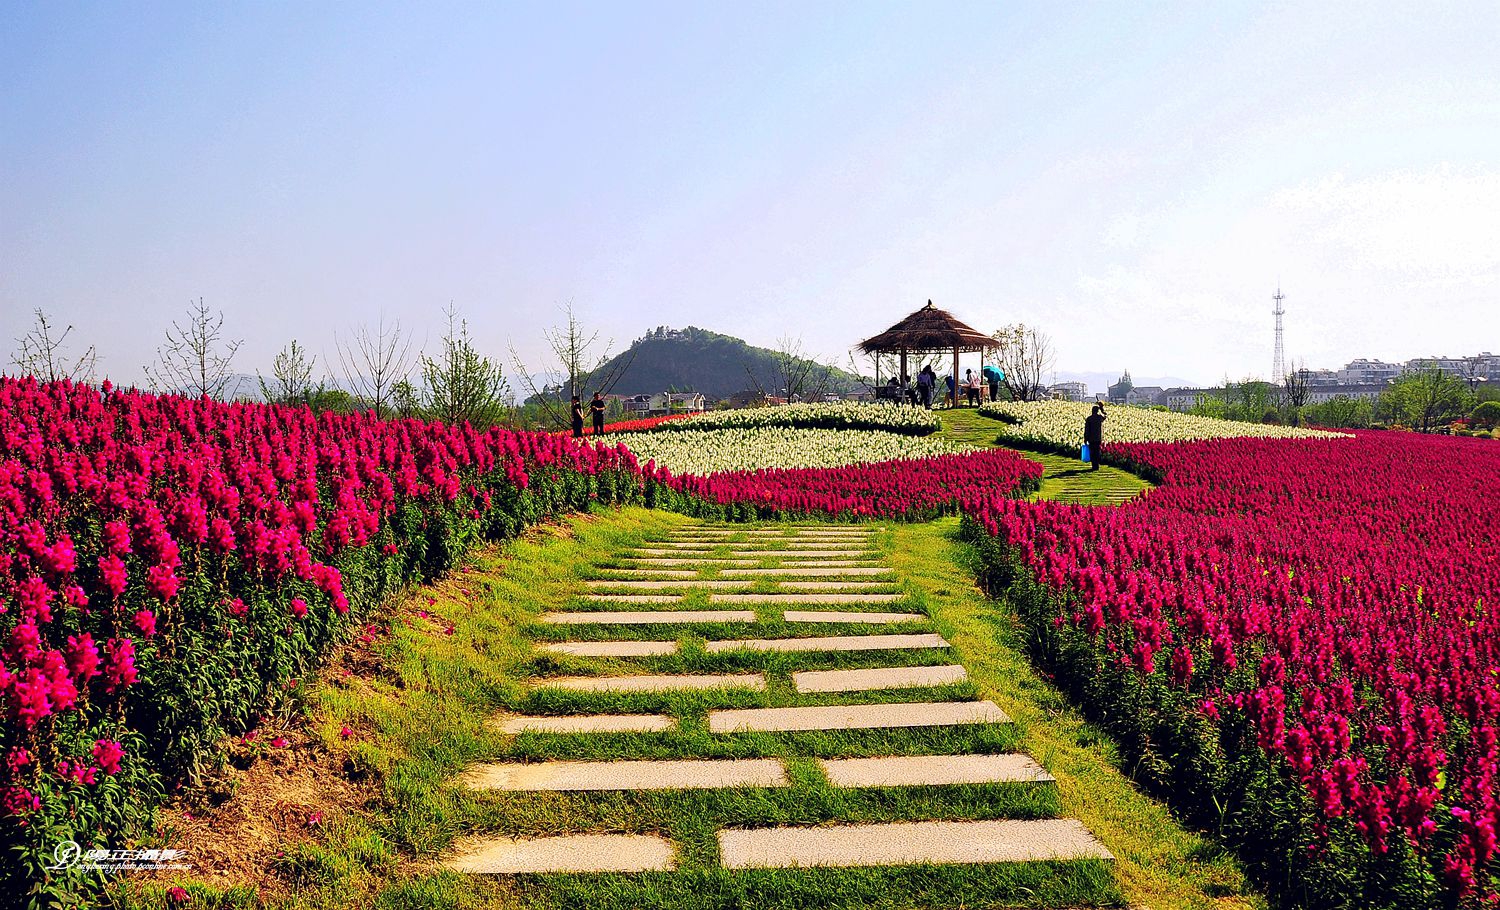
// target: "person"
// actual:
[[994, 377], [971, 388], [577, 418], [893, 390], [926, 379], [952, 391], [1093, 434], [596, 407]]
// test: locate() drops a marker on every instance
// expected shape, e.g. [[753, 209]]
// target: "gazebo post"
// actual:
[[903, 377], [955, 376]]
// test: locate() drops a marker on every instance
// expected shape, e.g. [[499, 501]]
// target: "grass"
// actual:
[[1065, 480], [424, 718]]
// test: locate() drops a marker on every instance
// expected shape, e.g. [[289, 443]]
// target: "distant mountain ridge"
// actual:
[[698, 360]]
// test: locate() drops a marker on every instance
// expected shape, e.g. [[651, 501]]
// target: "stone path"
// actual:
[[742, 687]]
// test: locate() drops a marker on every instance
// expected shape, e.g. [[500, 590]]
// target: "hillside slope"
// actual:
[[697, 360]]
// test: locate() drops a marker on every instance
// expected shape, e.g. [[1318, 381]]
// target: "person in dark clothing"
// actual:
[[1093, 434], [994, 377], [596, 408], [926, 379], [952, 392], [577, 418]]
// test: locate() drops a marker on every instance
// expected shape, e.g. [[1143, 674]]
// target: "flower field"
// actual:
[[169, 567], [835, 415], [1058, 425], [685, 451], [1298, 640]]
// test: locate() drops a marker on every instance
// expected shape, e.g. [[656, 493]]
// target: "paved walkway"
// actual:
[[616, 672]]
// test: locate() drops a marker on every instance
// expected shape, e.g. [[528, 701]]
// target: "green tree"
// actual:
[[462, 385], [291, 377], [1341, 412], [1486, 414], [1427, 400]]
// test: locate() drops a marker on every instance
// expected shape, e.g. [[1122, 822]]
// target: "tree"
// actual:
[[1486, 414], [795, 375], [374, 362], [1026, 355], [581, 372], [42, 354], [196, 357], [1427, 399], [462, 385], [1296, 386], [1341, 412], [291, 377]]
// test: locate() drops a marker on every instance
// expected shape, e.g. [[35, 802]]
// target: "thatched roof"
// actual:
[[928, 329]]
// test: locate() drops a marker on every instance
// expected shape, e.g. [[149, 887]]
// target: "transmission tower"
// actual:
[[1278, 361]]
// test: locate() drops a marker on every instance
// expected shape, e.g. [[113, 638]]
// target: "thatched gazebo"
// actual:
[[927, 331]]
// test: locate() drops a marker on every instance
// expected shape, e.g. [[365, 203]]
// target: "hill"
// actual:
[[697, 360]]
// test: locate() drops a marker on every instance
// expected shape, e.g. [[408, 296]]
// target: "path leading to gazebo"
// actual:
[[769, 699]]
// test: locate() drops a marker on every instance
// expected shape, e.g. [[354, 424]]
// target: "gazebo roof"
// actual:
[[928, 329]]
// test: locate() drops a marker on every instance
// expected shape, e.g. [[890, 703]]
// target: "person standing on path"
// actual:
[[596, 408], [1093, 434], [926, 379], [994, 377], [952, 391], [971, 388], [577, 409]]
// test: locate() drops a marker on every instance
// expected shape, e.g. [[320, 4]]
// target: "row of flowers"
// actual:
[[169, 567], [1058, 425], [833, 415], [1298, 640], [703, 452]]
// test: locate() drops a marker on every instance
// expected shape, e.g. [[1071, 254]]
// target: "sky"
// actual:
[[1133, 179]]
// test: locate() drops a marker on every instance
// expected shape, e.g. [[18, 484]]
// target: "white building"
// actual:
[[1146, 395], [1070, 391], [1185, 399], [1319, 394], [1369, 372], [676, 403]]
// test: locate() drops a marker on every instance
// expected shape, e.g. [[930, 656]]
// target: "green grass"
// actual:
[[424, 719], [1065, 480]]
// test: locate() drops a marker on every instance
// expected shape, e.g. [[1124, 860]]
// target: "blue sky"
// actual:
[[1132, 178]]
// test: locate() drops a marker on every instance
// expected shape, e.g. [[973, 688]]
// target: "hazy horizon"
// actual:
[[1135, 182]]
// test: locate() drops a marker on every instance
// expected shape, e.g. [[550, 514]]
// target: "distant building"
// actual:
[[1121, 390], [1369, 372], [1146, 395], [676, 403], [1453, 366], [637, 405], [1319, 394], [1184, 399], [1320, 377], [1070, 391]]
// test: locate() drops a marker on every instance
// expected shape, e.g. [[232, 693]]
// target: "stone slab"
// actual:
[[671, 683], [585, 723], [933, 770], [611, 648], [830, 598], [857, 717], [877, 678], [569, 853], [830, 643], [665, 574], [720, 584], [743, 553], [750, 564], [850, 616], [765, 546], [645, 617], [626, 775], [905, 843], [821, 571]]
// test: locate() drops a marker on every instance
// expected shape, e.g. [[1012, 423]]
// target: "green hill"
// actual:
[[697, 360]]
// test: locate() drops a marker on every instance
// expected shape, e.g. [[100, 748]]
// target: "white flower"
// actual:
[[691, 451], [1060, 423], [834, 415]]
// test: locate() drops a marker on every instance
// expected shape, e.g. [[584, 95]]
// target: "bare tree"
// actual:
[[1026, 355], [794, 374], [580, 370], [374, 362], [42, 354], [291, 377], [463, 385], [196, 357], [1295, 388]]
